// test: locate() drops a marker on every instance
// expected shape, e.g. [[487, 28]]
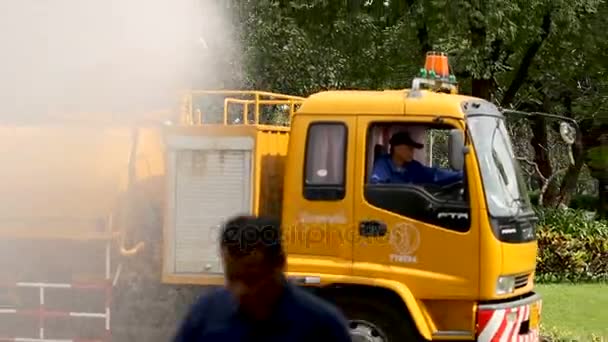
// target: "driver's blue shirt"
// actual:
[[385, 171]]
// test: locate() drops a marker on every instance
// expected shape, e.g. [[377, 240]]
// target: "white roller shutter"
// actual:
[[210, 185]]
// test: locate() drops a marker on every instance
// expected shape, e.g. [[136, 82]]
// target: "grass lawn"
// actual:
[[576, 310]]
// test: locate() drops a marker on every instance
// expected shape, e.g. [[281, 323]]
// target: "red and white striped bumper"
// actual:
[[516, 321]]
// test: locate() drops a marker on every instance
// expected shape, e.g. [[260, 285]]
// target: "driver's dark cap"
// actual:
[[403, 138]]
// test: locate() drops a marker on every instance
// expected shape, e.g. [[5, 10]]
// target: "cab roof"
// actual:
[[385, 102]]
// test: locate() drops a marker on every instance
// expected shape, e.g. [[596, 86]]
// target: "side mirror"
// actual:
[[456, 149], [567, 132]]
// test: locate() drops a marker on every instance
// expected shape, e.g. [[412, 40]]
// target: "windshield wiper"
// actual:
[[500, 167], [503, 175], [495, 159]]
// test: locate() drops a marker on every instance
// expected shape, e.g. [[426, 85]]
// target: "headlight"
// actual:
[[505, 285]]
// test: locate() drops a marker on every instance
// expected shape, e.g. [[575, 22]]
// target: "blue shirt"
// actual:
[[300, 316], [385, 171]]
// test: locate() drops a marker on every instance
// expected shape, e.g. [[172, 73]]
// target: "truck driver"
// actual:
[[399, 166]]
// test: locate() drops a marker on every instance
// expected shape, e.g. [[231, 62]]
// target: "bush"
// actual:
[[563, 257], [572, 247], [578, 223]]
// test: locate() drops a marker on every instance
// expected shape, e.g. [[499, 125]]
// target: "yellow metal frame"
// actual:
[[191, 117], [192, 122], [188, 119]]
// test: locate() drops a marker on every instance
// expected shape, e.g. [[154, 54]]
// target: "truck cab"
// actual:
[[445, 258]]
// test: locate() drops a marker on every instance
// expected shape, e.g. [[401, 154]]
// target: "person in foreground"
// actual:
[[258, 303]]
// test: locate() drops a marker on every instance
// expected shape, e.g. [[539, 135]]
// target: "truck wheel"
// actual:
[[374, 321]]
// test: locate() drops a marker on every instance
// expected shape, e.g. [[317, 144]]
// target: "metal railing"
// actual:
[[237, 107], [102, 284]]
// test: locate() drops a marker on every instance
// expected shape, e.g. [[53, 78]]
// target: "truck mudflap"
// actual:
[[516, 321]]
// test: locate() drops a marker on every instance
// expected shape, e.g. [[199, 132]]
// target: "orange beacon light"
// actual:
[[438, 62], [436, 66]]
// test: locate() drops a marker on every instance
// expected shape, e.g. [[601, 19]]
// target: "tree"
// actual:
[[534, 55]]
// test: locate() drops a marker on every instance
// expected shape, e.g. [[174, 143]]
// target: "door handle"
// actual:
[[372, 228]]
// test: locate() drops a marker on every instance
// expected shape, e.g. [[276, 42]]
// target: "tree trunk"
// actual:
[[482, 88], [594, 137], [602, 205], [568, 185], [569, 181], [539, 142], [522, 71]]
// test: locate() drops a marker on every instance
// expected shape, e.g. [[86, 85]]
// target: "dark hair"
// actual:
[[242, 235], [404, 138]]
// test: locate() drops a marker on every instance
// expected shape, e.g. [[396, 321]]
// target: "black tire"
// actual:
[[378, 319]]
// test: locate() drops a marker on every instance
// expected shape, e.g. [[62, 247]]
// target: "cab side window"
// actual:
[[413, 178], [437, 147], [325, 162]]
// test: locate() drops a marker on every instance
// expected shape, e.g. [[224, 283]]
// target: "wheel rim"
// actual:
[[364, 331]]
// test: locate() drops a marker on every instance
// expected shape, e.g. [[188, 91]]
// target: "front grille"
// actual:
[[521, 280]]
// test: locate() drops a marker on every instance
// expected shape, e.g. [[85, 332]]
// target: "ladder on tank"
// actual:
[[40, 293]]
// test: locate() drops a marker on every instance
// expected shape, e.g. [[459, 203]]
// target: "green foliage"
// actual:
[[534, 197], [572, 247], [574, 222], [554, 334], [535, 55], [375, 44], [598, 158], [578, 202], [584, 202]]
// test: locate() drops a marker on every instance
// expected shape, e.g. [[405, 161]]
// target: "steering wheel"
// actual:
[[452, 189]]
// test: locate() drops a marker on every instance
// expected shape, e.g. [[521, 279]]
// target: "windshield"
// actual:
[[502, 178]]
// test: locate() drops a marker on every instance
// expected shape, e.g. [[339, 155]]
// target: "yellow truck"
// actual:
[[108, 208]]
